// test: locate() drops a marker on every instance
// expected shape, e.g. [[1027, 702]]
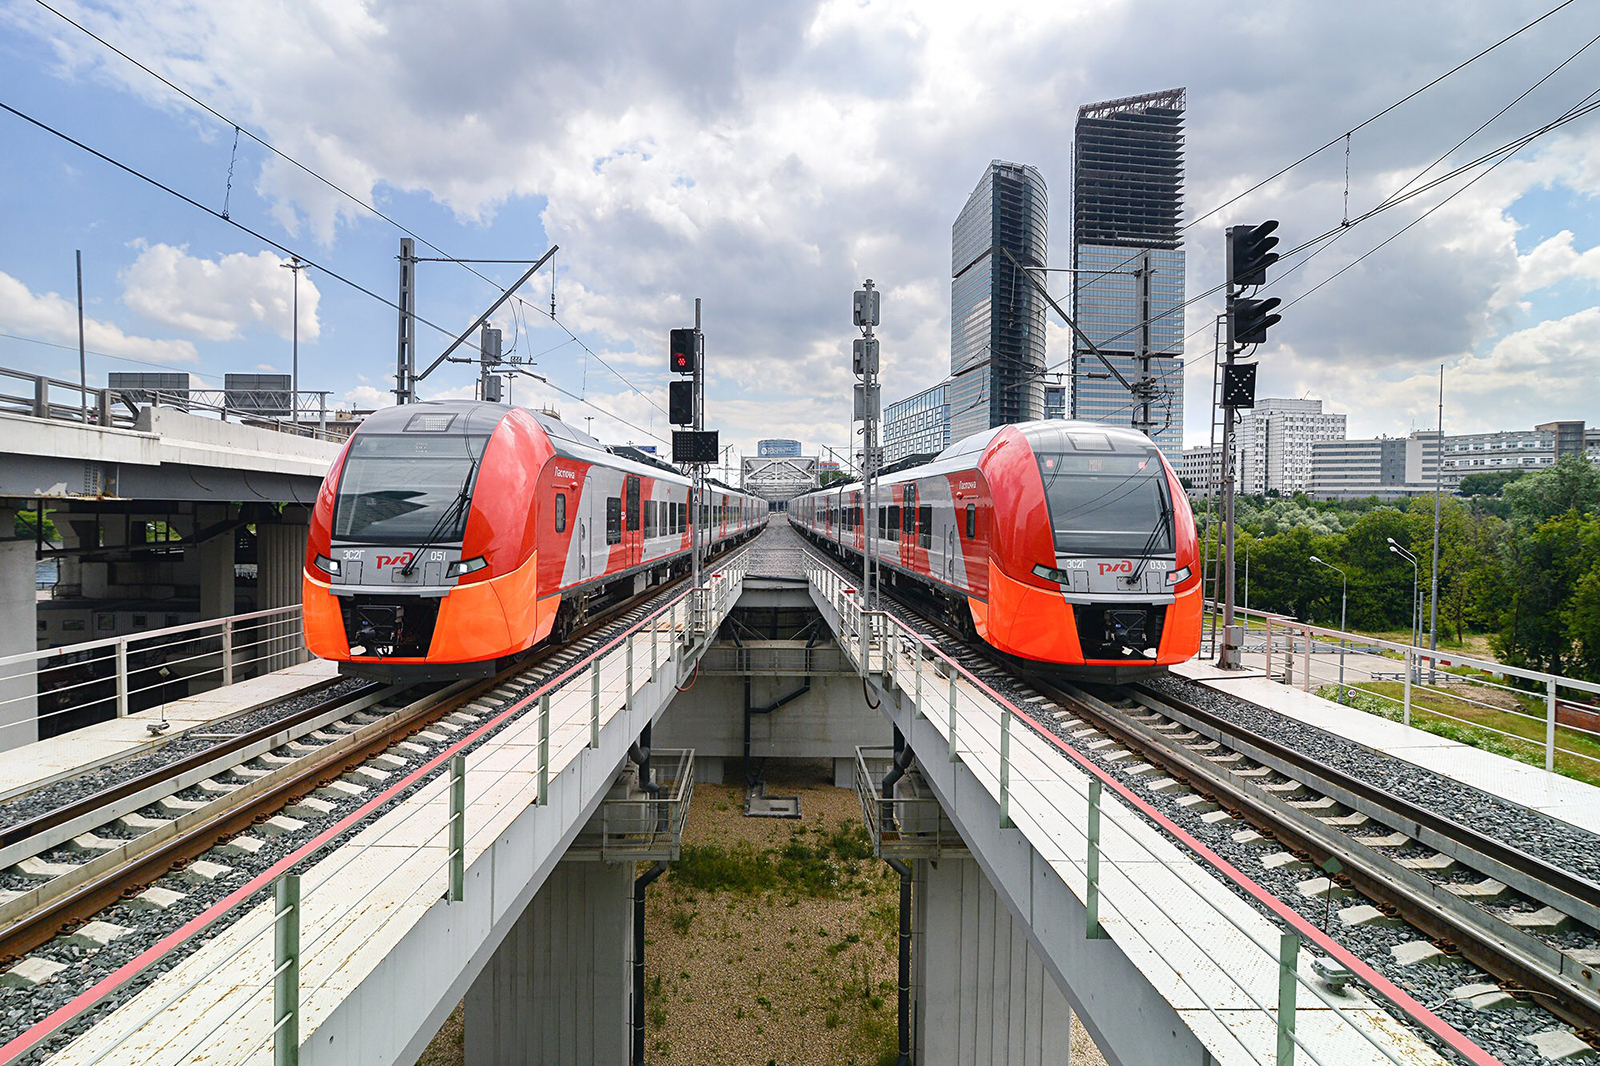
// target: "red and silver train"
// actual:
[[449, 537], [1063, 543]]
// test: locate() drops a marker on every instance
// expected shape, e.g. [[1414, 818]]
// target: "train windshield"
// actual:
[[1107, 503], [406, 488]]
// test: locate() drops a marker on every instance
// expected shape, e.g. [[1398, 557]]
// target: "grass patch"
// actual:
[[826, 866], [1438, 713]]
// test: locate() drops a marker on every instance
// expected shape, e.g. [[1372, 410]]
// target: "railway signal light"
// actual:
[[1250, 253], [680, 402], [681, 351], [865, 306], [1239, 385], [1252, 319], [864, 355]]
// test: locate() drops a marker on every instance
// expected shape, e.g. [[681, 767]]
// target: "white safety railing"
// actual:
[[60, 689], [425, 845], [1527, 714], [1100, 839]]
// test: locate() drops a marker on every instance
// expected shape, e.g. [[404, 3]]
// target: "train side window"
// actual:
[[972, 520], [613, 520], [894, 521], [925, 522], [561, 512], [633, 504], [883, 522]]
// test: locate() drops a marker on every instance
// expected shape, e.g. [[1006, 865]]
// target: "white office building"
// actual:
[[1275, 442]]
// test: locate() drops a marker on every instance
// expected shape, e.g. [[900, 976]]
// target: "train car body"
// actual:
[[449, 537], [1065, 544]]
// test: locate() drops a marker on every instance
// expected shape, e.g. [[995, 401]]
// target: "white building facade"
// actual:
[[1275, 444]]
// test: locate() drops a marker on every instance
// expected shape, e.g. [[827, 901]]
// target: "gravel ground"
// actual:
[[70, 789], [1551, 839]]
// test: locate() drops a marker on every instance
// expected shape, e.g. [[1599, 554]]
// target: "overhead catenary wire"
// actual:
[[238, 128], [285, 249]]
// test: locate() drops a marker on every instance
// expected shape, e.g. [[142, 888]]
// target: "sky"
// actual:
[[767, 158]]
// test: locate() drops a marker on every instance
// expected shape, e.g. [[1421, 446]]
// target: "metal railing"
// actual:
[[912, 824], [42, 396], [643, 827], [1528, 714], [1100, 838], [312, 911], [61, 689]]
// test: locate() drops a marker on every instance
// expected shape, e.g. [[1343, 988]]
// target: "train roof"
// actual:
[[1050, 434]]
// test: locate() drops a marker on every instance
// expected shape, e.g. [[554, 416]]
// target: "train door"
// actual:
[[950, 554], [585, 524], [634, 535]]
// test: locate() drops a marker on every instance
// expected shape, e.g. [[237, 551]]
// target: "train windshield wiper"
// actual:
[[1166, 515], [446, 519]]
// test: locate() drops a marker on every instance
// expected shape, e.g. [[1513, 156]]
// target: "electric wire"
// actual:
[[269, 146], [286, 250]]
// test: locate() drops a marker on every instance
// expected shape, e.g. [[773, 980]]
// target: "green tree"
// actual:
[[1380, 580], [1573, 484], [1545, 568], [26, 524], [1490, 483]]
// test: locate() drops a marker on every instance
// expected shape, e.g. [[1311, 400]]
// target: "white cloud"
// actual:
[[52, 317], [367, 397], [812, 145], [216, 299]]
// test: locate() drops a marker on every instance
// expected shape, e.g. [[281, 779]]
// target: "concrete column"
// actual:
[[280, 558], [215, 563], [19, 608], [982, 993], [558, 989]]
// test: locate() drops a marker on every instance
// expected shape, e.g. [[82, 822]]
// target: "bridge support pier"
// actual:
[[280, 558], [557, 990], [982, 992], [215, 562], [18, 689]]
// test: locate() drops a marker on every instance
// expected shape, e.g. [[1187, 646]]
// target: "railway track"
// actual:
[[200, 817], [1360, 854]]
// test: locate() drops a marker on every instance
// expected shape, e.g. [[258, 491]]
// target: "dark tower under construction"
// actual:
[[1127, 214]]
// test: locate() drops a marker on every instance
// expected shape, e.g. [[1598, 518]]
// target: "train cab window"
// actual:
[[925, 525], [613, 520], [1107, 503], [561, 512], [972, 520], [633, 504]]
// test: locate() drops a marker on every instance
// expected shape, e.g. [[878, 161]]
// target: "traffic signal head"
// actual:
[[681, 351], [1239, 385], [1252, 319], [864, 355], [1250, 253], [680, 403]]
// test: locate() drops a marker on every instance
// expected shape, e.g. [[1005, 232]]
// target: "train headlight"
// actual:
[[327, 566], [1175, 577], [465, 566]]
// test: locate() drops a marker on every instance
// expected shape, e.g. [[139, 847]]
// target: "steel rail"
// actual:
[[1565, 989]]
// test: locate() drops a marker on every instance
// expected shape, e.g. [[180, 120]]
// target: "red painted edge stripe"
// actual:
[[1379, 983], [48, 1025]]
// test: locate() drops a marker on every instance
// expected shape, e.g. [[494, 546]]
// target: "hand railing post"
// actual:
[[1305, 674], [1550, 724], [458, 828], [1407, 718], [286, 983], [953, 756], [122, 678], [1005, 770], [594, 703], [918, 663], [1269, 647], [1288, 961], [655, 625], [627, 692], [544, 748], [1091, 902]]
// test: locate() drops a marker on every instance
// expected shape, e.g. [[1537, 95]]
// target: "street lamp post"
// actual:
[[1344, 598], [1416, 602], [295, 264]]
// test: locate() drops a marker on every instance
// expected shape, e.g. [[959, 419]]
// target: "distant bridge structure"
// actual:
[[780, 478]]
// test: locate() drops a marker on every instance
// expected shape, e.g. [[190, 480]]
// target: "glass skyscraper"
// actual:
[[917, 425], [996, 320], [1127, 181]]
